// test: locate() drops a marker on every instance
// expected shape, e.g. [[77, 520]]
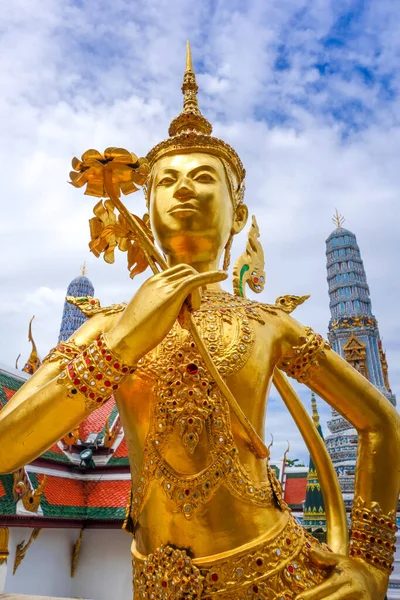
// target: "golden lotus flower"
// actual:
[[128, 171], [107, 232]]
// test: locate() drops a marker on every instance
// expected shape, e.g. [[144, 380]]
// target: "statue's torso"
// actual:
[[195, 482]]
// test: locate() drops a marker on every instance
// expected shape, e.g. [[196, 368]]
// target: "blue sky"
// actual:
[[306, 91]]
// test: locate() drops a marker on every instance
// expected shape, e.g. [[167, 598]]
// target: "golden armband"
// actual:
[[96, 373], [373, 534], [302, 359]]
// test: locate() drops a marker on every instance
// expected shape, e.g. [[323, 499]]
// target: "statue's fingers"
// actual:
[[195, 281], [323, 558]]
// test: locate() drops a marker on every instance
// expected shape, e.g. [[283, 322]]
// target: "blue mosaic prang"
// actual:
[[72, 317], [351, 315]]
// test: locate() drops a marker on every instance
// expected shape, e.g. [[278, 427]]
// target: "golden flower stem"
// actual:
[[333, 500]]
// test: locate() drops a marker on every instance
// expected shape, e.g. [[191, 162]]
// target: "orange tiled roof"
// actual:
[[122, 449], [9, 393], [295, 490], [96, 421]]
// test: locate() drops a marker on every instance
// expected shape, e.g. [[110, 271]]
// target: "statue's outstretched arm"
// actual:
[[44, 409], [308, 358]]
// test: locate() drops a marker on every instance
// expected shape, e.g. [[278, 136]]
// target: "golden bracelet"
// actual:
[[96, 373], [302, 359], [373, 534]]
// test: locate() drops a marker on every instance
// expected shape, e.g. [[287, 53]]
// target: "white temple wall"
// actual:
[[104, 569], [45, 570]]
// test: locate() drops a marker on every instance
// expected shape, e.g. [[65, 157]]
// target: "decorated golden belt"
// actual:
[[267, 569]]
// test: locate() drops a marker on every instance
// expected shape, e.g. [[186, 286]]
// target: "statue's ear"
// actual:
[[240, 219]]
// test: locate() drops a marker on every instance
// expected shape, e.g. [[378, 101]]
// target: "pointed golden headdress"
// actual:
[[190, 131]]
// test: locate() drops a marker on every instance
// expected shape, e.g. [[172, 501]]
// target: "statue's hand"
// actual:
[[154, 308], [350, 579]]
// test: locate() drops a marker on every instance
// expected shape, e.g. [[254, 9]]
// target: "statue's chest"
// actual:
[[226, 325]]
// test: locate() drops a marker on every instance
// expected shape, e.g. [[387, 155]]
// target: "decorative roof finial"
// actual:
[[33, 362], [83, 269], [338, 219], [315, 415]]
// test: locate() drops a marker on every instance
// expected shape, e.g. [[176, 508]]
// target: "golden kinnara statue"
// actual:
[[190, 367]]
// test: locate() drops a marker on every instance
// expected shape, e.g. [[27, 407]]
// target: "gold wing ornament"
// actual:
[[249, 267]]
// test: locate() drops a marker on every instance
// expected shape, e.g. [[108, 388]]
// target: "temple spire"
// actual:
[[315, 415]]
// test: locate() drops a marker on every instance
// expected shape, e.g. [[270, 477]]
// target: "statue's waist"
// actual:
[[267, 562]]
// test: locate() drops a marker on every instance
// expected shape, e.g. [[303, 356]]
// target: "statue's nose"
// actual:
[[184, 190]]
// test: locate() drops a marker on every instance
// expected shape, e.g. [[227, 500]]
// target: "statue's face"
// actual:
[[191, 210]]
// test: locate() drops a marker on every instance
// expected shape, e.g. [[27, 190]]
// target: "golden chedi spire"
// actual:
[[190, 131], [315, 414]]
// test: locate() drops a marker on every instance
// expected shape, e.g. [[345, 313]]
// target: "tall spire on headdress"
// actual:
[[191, 132], [190, 117]]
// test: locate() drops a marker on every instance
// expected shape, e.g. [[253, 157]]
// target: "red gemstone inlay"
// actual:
[[99, 343], [108, 357], [192, 369], [255, 279], [115, 387], [291, 569], [255, 589], [91, 368], [84, 388], [93, 302], [124, 370], [107, 383], [288, 541], [99, 376], [91, 395], [77, 381], [214, 577], [99, 400], [164, 583], [190, 421], [117, 366]]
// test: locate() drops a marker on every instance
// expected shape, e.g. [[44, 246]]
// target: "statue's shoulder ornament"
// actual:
[[285, 304]]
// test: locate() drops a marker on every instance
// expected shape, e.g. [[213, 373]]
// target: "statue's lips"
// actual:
[[183, 208]]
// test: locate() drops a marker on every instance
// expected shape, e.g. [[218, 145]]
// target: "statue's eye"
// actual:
[[204, 178], [167, 180]]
